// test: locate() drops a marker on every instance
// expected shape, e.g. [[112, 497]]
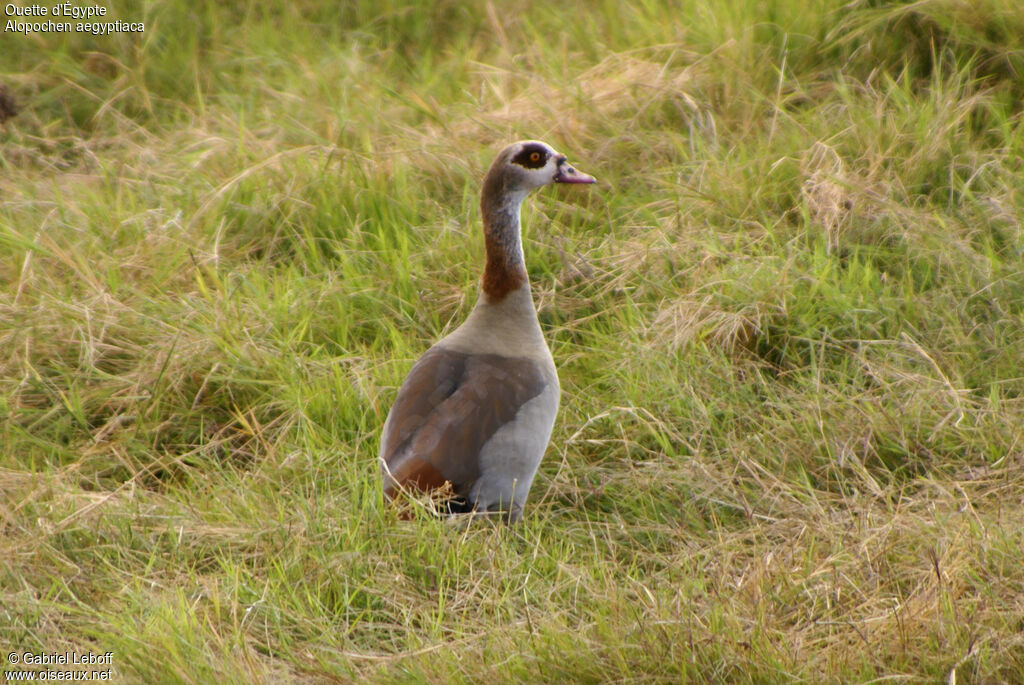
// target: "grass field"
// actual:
[[789, 323]]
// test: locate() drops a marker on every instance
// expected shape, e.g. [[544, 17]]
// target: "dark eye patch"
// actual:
[[532, 156]]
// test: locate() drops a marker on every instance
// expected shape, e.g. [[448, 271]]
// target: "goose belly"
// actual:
[[509, 459]]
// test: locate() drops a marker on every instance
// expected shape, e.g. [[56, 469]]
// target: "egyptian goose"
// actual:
[[477, 409]]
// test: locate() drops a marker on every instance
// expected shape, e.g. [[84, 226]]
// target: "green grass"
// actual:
[[789, 324]]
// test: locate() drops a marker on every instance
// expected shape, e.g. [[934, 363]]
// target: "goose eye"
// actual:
[[534, 156]]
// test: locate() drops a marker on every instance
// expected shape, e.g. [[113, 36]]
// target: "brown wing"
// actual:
[[449, 406]]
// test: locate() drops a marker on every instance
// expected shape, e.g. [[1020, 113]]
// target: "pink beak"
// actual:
[[568, 174]]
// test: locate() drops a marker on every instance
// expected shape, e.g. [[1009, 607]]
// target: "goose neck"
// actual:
[[505, 268]]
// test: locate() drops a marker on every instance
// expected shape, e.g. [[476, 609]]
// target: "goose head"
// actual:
[[527, 165], [517, 170]]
